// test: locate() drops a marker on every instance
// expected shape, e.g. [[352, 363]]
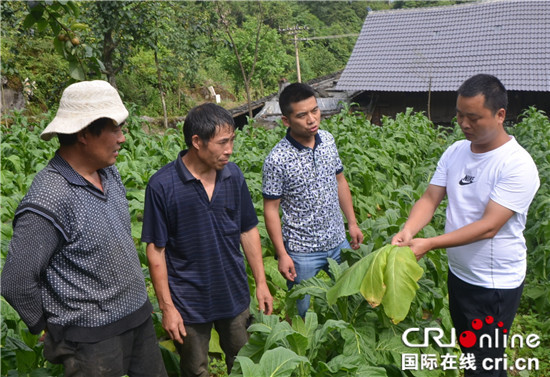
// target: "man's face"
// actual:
[[216, 152], [304, 119], [103, 149], [478, 123]]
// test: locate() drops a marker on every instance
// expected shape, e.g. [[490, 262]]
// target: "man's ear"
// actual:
[[81, 136], [501, 115], [196, 142], [285, 121]]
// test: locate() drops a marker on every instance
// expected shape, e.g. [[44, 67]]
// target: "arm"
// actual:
[[273, 225], [421, 214], [494, 217], [250, 241], [171, 318], [34, 241], [346, 204]]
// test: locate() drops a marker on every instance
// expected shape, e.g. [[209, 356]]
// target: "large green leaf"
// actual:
[[308, 327], [278, 362], [373, 287], [278, 336], [255, 347], [248, 367], [386, 276], [350, 281], [401, 274]]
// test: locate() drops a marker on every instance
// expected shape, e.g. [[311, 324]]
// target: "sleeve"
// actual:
[[440, 176], [339, 167], [272, 178], [517, 185], [249, 218], [155, 225], [35, 239]]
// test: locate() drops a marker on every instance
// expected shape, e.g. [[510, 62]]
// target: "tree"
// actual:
[[62, 18], [259, 58], [115, 27], [246, 73]]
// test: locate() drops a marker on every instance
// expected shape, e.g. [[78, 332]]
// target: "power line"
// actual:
[[295, 30], [329, 37]]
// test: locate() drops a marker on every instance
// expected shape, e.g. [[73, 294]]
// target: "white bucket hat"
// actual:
[[81, 104]]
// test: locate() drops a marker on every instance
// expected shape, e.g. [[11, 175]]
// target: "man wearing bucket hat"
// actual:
[[72, 268]]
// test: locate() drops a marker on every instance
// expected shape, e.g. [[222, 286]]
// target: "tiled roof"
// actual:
[[403, 50]]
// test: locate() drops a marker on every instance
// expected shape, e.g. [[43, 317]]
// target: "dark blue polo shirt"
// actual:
[[206, 271]]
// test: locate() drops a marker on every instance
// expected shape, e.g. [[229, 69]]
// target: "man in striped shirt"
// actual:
[[198, 211]]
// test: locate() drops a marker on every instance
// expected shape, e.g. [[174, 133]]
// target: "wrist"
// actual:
[[166, 307], [281, 252]]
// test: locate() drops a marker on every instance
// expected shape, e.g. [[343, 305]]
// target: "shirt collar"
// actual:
[[71, 175], [186, 176], [297, 144]]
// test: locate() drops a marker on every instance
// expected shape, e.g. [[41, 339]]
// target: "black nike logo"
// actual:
[[468, 179]]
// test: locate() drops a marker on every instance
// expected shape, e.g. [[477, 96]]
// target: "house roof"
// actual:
[[407, 50]]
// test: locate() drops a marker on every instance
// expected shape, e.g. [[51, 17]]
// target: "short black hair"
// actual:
[[203, 121], [94, 128], [490, 87], [294, 93]]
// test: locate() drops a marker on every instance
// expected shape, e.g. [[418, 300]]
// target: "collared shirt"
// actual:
[[201, 237], [305, 181], [88, 285]]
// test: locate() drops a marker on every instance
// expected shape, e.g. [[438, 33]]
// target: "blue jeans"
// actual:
[[307, 265]]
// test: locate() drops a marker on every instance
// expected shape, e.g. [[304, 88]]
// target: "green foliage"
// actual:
[[22, 351], [387, 276], [343, 337], [29, 54], [387, 167], [60, 17], [70, 41], [272, 60], [276, 362], [533, 133]]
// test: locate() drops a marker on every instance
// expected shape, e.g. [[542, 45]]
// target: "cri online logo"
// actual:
[[468, 338]]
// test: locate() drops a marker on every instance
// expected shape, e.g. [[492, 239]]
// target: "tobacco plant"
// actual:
[[388, 167]]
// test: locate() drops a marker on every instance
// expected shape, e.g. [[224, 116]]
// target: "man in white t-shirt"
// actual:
[[490, 181]]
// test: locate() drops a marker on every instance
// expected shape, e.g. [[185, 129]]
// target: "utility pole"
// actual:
[[294, 31]]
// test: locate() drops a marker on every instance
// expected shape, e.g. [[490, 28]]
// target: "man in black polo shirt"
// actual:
[[72, 268], [198, 212]]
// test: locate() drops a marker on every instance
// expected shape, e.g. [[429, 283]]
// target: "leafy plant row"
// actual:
[[388, 167]]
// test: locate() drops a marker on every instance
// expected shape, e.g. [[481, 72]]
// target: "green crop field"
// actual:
[[388, 167]]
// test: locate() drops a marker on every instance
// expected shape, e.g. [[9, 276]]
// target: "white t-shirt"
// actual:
[[508, 176]]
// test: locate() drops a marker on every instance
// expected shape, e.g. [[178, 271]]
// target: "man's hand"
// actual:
[[420, 246], [356, 236], [173, 324], [286, 267], [265, 300], [403, 238]]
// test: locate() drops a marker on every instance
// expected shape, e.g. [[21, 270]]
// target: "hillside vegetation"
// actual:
[[164, 55]]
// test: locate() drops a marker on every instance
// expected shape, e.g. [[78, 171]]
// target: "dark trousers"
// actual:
[[135, 353], [194, 350], [482, 311]]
